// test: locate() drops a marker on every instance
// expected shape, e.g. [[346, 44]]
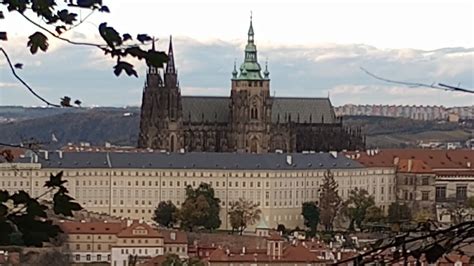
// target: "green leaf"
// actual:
[[143, 38], [156, 59], [104, 9], [55, 180], [3, 211], [38, 40], [4, 195], [66, 101], [67, 17], [35, 209], [3, 36], [110, 35], [20, 197], [64, 205], [136, 52], [124, 66], [126, 37]]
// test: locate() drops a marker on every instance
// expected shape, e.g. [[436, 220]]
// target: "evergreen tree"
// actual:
[[165, 214], [329, 201], [311, 215]]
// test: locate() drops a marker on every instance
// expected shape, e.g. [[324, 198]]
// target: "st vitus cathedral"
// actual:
[[250, 120]]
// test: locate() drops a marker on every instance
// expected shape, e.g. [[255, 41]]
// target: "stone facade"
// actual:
[[250, 120]]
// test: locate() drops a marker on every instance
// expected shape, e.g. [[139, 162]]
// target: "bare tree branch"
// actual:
[[12, 68], [101, 46], [439, 86]]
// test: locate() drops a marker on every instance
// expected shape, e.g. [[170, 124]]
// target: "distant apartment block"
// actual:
[[417, 112]]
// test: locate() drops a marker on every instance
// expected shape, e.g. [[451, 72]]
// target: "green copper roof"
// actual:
[[250, 68]]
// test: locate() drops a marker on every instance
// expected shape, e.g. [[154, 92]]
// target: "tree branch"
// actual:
[[439, 86], [12, 68], [101, 46]]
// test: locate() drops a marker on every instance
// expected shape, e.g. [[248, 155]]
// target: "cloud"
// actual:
[[204, 68]]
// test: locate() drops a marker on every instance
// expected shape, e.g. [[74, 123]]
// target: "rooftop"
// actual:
[[158, 160]]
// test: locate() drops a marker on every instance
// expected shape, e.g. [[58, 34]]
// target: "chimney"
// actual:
[[46, 155], [396, 160], [289, 160], [173, 235], [338, 255], [410, 164], [243, 250], [468, 164], [60, 153]]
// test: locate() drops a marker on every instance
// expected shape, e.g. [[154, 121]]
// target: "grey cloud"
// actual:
[[295, 71]]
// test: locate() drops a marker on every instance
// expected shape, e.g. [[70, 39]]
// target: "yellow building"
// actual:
[[132, 184]]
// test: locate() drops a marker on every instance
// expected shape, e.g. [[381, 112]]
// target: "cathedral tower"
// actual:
[[250, 103], [161, 112]]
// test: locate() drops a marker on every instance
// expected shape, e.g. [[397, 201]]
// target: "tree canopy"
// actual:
[[329, 201], [200, 209], [166, 214], [242, 214], [356, 206], [311, 215]]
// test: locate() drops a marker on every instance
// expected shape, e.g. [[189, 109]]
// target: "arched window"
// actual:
[[253, 113]]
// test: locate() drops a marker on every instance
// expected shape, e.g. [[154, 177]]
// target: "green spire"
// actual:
[[234, 73], [250, 69]]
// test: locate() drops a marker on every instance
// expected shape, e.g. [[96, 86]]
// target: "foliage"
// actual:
[[23, 219], [311, 213], [374, 215], [355, 207], [423, 216], [398, 213], [329, 201], [62, 16], [242, 214], [200, 209], [165, 214]]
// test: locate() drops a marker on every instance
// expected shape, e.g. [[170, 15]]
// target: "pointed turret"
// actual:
[[170, 68], [250, 69], [171, 76]]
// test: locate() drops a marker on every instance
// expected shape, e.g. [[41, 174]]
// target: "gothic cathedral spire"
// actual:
[[170, 68], [171, 76]]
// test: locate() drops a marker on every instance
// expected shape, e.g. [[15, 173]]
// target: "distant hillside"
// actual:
[[390, 132], [120, 126], [94, 126]]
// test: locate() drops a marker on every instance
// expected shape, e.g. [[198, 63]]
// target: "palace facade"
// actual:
[[126, 184], [250, 120]]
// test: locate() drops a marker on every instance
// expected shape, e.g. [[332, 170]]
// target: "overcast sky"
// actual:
[[314, 49]]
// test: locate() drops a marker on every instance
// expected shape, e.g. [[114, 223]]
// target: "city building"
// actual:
[[132, 184], [250, 120], [416, 112], [426, 179], [120, 243]]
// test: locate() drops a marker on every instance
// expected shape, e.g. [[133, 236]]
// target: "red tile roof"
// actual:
[[435, 159], [91, 227], [290, 254], [136, 225], [413, 166]]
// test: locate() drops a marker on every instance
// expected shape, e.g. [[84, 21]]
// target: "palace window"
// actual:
[[441, 192], [461, 192]]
